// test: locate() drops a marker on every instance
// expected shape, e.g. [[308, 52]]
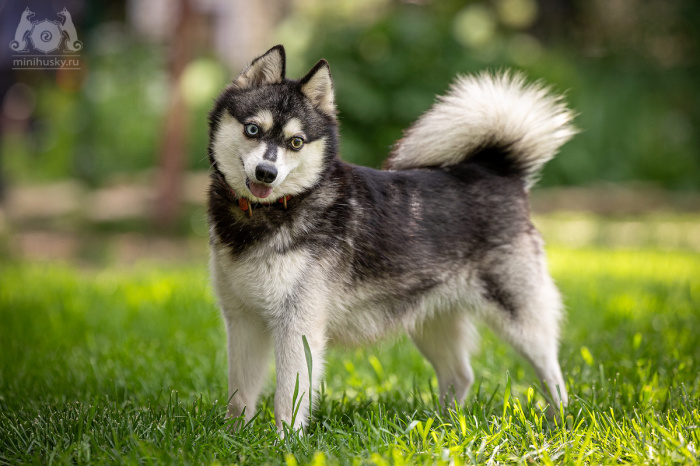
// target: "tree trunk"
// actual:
[[173, 148]]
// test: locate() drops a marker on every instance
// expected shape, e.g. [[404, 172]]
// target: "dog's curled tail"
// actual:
[[497, 120]]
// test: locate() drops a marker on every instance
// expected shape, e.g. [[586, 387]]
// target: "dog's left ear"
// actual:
[[317, 86], [268, 68]]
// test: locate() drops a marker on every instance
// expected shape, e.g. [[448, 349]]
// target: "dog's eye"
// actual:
[[252, 130], [296, 143]]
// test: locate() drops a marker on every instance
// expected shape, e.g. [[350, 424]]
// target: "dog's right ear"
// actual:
[[268, 68]]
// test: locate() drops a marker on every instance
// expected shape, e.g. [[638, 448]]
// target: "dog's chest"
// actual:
[[262, 279]]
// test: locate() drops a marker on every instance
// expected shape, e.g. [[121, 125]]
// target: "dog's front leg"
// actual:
[[291, 365], [248, 351]]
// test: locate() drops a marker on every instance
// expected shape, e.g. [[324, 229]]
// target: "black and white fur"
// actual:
[[438, 240]]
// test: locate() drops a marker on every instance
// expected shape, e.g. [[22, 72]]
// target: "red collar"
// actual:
[[245, 205]]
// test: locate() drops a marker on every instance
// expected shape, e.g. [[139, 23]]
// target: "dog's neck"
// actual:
[[247, 206]]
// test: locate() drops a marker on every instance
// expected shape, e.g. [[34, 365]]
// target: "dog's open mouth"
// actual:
[[259, 190]]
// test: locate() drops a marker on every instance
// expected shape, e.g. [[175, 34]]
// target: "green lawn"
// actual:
[[129, 365]]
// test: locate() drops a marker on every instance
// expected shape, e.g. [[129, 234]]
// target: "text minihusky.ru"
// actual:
[[46, 63]]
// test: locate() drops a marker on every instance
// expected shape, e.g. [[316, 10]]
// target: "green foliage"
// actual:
[[128, 365], [636, 117], [112, 123], [636, 124], [635, 87]]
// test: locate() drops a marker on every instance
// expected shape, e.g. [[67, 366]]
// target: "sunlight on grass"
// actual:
[[660, 231], [659, 266]]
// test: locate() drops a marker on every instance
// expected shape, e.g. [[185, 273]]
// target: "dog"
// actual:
[[25, 25], [308, 251]]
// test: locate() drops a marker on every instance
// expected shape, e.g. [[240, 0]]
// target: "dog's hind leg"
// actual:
[[447, 340], [526, 312], [536, 338], [249, 345]]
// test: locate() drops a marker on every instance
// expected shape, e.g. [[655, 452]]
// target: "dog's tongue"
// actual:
[[260, 191]]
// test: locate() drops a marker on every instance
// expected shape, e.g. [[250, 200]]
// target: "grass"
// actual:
[[129, 365]]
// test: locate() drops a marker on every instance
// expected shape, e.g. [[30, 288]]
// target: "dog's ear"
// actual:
[[268, 68], [317, 86]]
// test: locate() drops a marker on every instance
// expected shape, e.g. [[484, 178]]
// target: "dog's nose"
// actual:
[[265, 173]]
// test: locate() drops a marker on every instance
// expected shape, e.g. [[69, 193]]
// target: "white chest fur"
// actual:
[[260, 281]]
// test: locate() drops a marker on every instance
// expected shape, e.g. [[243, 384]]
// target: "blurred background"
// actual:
[[106, 161]]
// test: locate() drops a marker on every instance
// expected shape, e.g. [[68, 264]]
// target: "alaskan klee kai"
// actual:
[[304, 244]]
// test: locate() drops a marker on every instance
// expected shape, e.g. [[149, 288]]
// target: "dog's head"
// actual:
[[270, 136]]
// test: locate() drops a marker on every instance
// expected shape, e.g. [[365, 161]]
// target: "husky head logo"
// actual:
[[45, 36], [271, 136]]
